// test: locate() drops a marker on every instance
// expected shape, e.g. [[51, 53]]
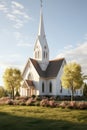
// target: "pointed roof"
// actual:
[[50, 71], [29, 83], [41, 31]]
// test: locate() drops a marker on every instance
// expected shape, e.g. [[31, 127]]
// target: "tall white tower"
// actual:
[[41, 50]]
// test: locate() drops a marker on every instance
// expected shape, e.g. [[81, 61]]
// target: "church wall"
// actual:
[[58, 83], [52, 81], [23, 91], [30, 74], [41, 81], [35, 79]]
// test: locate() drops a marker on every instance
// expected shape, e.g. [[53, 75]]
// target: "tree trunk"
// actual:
[[72, 93], [13, 93]]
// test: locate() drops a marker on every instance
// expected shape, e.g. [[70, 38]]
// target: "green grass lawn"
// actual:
[[41, 118]]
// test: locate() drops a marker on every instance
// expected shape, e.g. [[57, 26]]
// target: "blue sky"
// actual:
[[65, 24]]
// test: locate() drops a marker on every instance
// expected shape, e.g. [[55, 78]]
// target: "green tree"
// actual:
[[12, 79], [2, 92], [72, 77]]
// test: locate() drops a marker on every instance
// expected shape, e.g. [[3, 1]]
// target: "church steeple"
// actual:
[[41, 31], [41, 50]]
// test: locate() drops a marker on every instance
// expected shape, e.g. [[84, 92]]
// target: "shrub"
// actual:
[[9, 102], [25, 98], [44, 103], [63, 104], [72, 105], [33, 96], [3, 100], [52, 103], [22, 103], [82, 105], [37, 103], [30, 102], [38, 98]]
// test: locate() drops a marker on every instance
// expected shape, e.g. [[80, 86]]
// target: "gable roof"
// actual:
[[52, 69], [29, 83]]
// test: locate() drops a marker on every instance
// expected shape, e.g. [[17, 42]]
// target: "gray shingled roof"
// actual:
[[52, 69], [29, 83]]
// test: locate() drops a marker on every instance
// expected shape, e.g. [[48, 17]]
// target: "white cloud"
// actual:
[[18, 25], [11, 17], [15, 12], [68, 47], [77, 54], [3, 8], [24, 44], [18, 5]]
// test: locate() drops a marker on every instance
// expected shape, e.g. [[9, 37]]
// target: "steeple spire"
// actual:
[[41, 24], [41, 3], [41, 50]]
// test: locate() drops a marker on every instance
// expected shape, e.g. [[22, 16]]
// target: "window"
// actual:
[[30, 76], [45, 47], [44, 54], [61, 89], [50, 87], [42, 87], [38, 54]]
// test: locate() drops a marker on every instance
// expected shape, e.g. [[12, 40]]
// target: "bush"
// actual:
[[25, 98], [9, 102], [38, 98], [44, 103], [72, 105], [33, 96], [3, 100], [30, 102], [63, 104], [82, 105], [37, 103], [52, 103]]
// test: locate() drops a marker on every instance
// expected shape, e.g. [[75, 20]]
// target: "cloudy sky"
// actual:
[[65, 24]]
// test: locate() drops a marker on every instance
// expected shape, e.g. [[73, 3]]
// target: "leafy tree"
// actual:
[[12, 79], [85, 90], [72, 77], [2, 92]]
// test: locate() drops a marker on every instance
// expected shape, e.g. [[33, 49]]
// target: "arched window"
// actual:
[[50, 87], [42, 87], [44, 54], [61, 88], [38, 54], [44, 47], [30, 76]]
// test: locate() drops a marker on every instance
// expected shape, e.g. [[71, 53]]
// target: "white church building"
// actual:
[[42, 76]]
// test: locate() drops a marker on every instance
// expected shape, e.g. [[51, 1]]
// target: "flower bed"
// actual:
[[44, 102]]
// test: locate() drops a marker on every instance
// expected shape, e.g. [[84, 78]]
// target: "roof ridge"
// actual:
[[58, 59]]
